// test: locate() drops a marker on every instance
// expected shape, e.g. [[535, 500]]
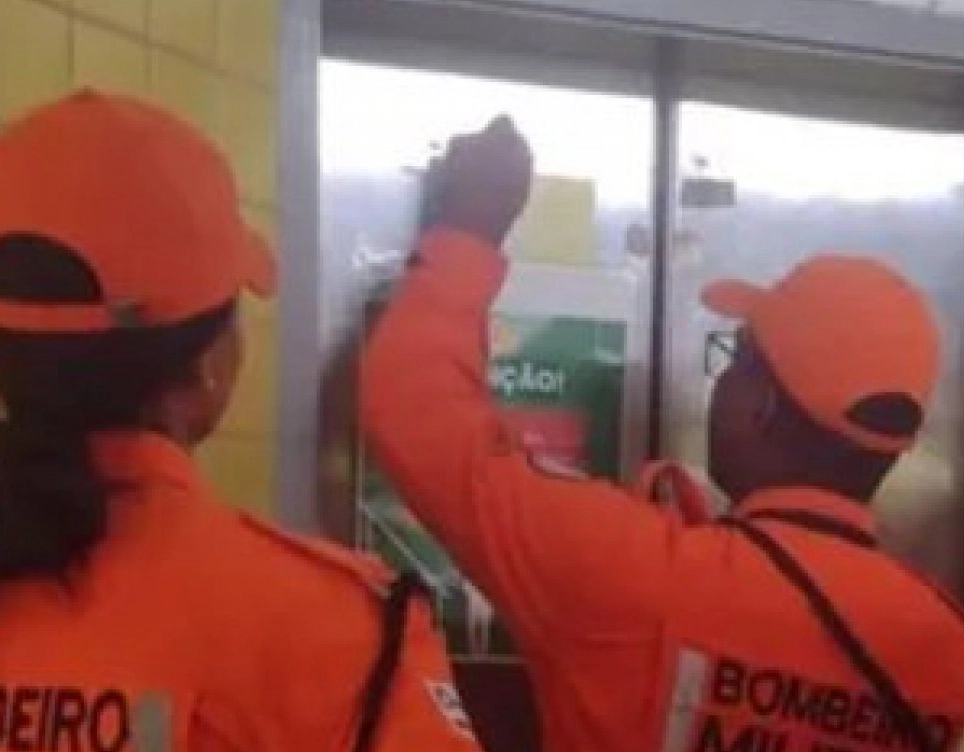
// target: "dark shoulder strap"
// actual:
[[876, 676], [817, 523], [936, 590], [379, 684]]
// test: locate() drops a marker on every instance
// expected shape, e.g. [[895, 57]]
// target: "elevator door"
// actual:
[[569, 332], [759, 193]]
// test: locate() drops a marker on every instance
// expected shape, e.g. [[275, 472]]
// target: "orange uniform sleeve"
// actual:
[[552, 554]]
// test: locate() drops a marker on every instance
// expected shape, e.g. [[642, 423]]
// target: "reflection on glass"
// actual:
[[787, 158], [570, 324], [388, 122]]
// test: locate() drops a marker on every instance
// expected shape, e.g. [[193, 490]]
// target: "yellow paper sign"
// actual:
[[557, 225]]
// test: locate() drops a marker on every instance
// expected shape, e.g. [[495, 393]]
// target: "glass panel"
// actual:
[[570, 329], [759, 193]]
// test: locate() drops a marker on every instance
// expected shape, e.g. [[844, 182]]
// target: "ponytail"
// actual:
[[59, 391], [53, 503]]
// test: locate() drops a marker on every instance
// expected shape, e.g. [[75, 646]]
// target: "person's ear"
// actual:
[[206, 372], [765, 409]]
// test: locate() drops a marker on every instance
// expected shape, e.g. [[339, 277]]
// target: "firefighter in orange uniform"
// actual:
[[136, 611], [779, 628]]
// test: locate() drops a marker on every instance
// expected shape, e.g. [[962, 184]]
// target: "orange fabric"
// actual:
[[142, 198], [233, 636], [838, 329], [640, 633]]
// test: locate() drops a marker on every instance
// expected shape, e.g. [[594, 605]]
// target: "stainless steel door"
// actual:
[[575, 307], [760, 192], [580, 274]]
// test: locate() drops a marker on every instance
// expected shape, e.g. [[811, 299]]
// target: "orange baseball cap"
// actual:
[[853, 342], [143, 199]]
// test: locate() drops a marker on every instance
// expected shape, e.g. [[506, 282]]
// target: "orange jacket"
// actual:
[[640, 633], [196, 629]]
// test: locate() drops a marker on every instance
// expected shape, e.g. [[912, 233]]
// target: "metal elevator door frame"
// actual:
[[872, 89], [495, 688], [340, 301]]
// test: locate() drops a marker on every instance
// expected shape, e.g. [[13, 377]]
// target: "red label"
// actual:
[[549, 432]]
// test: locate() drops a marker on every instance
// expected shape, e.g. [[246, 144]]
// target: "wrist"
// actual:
[[486, 226], [464, 269], [472, 233]]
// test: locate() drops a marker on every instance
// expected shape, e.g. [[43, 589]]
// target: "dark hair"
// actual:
[[59, 389]]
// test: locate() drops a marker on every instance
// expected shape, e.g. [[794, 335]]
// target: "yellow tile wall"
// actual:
[[212, 62]]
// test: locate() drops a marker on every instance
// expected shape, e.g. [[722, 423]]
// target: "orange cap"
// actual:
[[843, 335], [143, 199]]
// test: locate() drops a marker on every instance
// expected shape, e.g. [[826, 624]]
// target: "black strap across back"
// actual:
[[884, 685], [407, 586]]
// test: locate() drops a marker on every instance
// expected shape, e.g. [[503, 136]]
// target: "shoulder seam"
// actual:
[[317, 556]]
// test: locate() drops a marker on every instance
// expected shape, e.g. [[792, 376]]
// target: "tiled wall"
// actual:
[[214, 63]]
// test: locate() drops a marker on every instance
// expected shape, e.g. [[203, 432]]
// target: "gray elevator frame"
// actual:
[[851, 61]]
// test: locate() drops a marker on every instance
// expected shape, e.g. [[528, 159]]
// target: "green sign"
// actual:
[[560, 383], [523, 380]]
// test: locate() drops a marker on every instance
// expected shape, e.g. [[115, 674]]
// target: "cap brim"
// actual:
[[732, 298], [261, 271]]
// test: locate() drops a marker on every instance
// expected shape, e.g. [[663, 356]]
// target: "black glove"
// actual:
[[481, 184]]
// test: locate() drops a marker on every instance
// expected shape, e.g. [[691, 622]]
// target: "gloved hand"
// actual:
[[482, 182]]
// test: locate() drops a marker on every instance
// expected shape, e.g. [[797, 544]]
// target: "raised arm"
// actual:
[[539, 546]]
